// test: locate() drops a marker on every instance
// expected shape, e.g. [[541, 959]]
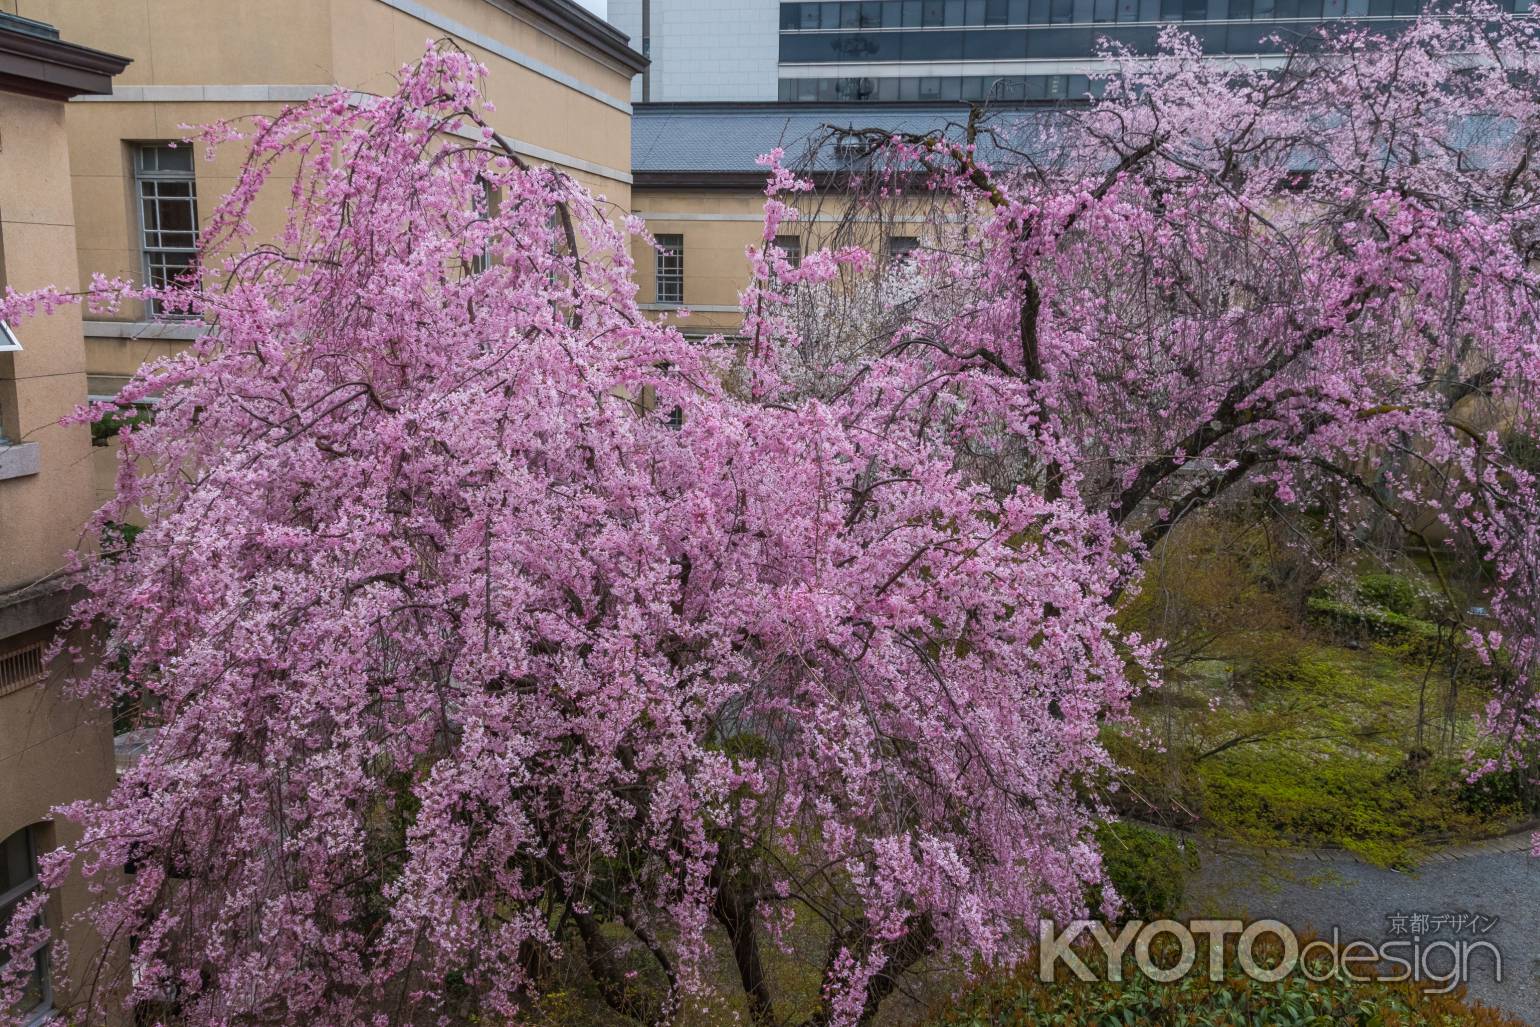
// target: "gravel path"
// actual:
[[1319, 891]]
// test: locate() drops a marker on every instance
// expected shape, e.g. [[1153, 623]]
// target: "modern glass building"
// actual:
[[930, 50], [934, 51]]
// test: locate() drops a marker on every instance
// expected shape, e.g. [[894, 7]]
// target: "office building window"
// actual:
[[18, 880], [670, 269], [168, 211], [943, 88]]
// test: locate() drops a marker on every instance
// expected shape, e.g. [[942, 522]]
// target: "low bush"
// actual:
[[1148, 869], [1391, 592], [1021, 1000]]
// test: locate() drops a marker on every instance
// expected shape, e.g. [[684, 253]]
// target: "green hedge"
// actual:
[[1021, 1000], [1148, 869]]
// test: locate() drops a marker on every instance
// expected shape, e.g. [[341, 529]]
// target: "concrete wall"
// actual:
[[53, 749], [718, 227], [41, 513], [706, 49]]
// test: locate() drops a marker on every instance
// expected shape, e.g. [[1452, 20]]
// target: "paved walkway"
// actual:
[[1321, 890]]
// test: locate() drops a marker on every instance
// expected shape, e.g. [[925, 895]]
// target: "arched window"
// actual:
[[18, 879]]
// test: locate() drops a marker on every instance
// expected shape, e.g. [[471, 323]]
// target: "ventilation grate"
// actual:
[[20, 668]]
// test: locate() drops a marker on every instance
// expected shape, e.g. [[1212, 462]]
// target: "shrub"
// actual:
[[113, 423], [1019, 999], [1390, 592], [1148, 869], [1501, 794]]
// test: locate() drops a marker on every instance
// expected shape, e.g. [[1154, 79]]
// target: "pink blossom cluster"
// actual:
[[484, 619], [460, 647], [1313, 287]]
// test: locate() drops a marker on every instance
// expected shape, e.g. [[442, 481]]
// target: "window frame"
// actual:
[[900, 248], [147, 253], [670, 248], [9, 343], [790, 245], [39, 954]]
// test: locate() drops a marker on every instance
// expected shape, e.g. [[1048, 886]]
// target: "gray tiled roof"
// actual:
[[728, 137]]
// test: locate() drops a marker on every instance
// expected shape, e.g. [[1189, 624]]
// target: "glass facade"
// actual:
[[948, 31], [937, 88], [843, 15]]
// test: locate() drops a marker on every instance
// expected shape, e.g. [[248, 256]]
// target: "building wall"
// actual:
[[41, 513], [718, 227], [558, 101], [53, 749], [705, 49]]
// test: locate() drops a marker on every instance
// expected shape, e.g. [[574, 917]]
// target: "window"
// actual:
[[791, 245], [670, 269], [168, 211], [8, 344], [486, 208], [18, 879], [901, 246]]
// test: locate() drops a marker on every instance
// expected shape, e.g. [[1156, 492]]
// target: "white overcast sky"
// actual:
[[599, 7]]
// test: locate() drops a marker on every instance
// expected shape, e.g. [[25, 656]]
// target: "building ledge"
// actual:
[[177, 330], [18, 460], [38, 604]]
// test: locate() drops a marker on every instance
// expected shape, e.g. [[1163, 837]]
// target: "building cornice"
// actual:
[[39, 604], [733, 181], [429, 15], [34, 63], [586, 27]]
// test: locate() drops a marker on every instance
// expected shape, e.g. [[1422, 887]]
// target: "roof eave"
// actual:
[[589, 28], [53, 69]]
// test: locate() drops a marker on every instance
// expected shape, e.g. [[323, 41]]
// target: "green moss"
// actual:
[[1319, 747]]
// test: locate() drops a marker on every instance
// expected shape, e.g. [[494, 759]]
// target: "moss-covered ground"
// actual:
[[1349, 724]]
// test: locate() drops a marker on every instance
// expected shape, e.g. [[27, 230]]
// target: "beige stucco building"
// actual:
[[52, 749], [560, 79], [699, 189], [90, 183]]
